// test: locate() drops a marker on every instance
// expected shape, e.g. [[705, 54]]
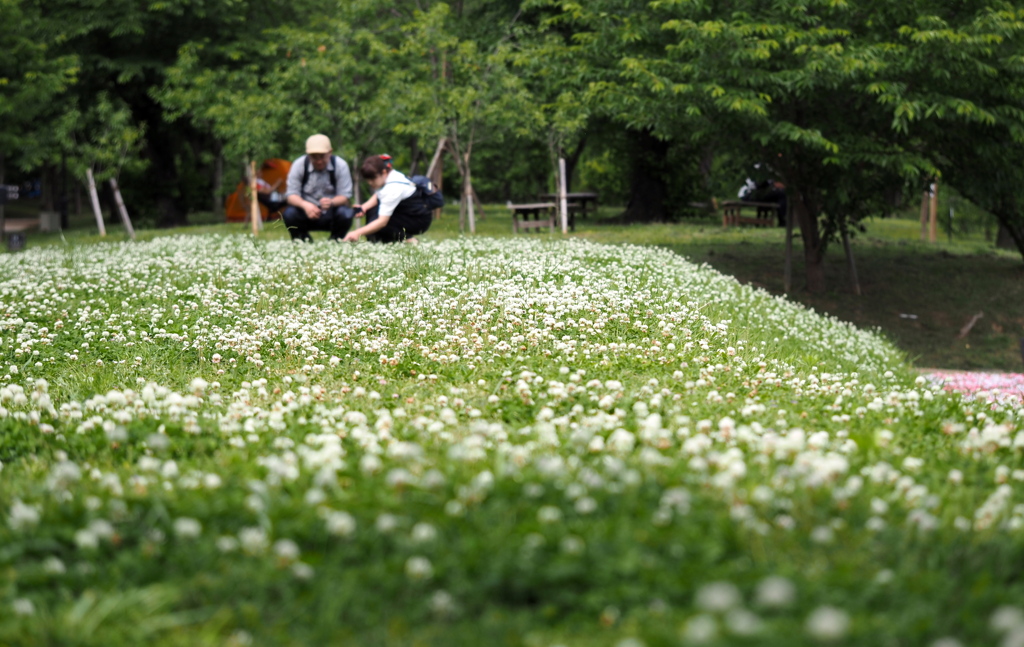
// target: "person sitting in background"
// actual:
[[318, 192], [396, 211], [269, 196]]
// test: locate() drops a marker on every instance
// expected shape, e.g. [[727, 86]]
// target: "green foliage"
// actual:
[[103, 137], [446, 85], [834, 98], [32, 75]]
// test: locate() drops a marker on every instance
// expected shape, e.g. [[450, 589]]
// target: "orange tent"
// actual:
[[274, 172]]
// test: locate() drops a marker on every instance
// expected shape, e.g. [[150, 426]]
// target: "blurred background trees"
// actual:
[[855, 106]]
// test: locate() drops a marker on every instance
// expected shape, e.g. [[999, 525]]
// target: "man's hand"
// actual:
[[312, 211], [326, 203], [352, 236]]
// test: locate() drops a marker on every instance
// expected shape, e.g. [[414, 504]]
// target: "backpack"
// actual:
[[431, 197]]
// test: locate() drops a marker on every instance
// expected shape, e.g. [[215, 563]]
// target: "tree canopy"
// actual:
[[854, 105]]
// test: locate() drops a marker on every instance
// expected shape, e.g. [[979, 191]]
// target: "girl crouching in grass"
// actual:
[[396, 212]]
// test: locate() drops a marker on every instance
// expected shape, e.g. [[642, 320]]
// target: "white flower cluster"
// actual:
[[269, 400]]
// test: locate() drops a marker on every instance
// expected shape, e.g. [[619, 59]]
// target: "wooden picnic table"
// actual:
[[766, 213], [578, 200], [18, 225], [521, 214]]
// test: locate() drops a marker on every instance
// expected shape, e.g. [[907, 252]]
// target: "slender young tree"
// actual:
[[444, 85]]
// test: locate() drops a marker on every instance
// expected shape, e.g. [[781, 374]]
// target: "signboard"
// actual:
[[8, 193]]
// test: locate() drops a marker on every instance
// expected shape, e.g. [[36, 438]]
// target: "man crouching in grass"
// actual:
[[397, 211]]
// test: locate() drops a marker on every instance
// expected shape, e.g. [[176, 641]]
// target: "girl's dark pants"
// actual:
[[403, 224]]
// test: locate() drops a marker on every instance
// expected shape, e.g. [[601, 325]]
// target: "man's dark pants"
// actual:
[[337, 220]]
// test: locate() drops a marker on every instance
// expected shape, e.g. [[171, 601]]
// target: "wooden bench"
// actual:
[[577, 201], [19, 225], [766, 213], [521, 214]]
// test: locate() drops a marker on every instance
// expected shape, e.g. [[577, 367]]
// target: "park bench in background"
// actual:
[[765, 213], [544, 214], [578, 202], [20, 225]]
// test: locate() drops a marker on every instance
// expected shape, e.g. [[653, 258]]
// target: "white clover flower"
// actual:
[[912, 464], [700, 629], [169, 470], [1014, 638], [253, 540], [340, 523], [85, 539], [827, 624], [286, 550], [423, 533], [549, 514], [823, 535], [454, 508], [23, 607], [621, 441], [572, 545], [718, 597], [399, 478], [743, 622], [386, 523], [875, 524], [187, 528], [23, 516], [227, 544], [198, 386], [1006, 619], [370, 464], [442, 603], [947, 641], [419, 568], [54, 566], [775, 592], [302, 571], [63, 475], [585, 505]]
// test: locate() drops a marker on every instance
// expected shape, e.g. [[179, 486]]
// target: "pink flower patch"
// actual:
[[991, 387]]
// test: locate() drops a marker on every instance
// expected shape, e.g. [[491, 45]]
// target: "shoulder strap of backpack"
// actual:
[[331, 170]]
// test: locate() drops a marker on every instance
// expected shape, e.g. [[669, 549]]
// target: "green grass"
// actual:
[[211, 440], [943, 284]]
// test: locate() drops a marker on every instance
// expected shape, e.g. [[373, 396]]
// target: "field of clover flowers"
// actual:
[[216, 440]]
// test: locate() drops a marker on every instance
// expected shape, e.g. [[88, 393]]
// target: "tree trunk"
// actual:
[[572, 158], [707, 165], [3, 175], [48, 189], [467, 197], [162, 146], [415, 154], [1011, 233], [648, 190], [218, 182], [814, 248]]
